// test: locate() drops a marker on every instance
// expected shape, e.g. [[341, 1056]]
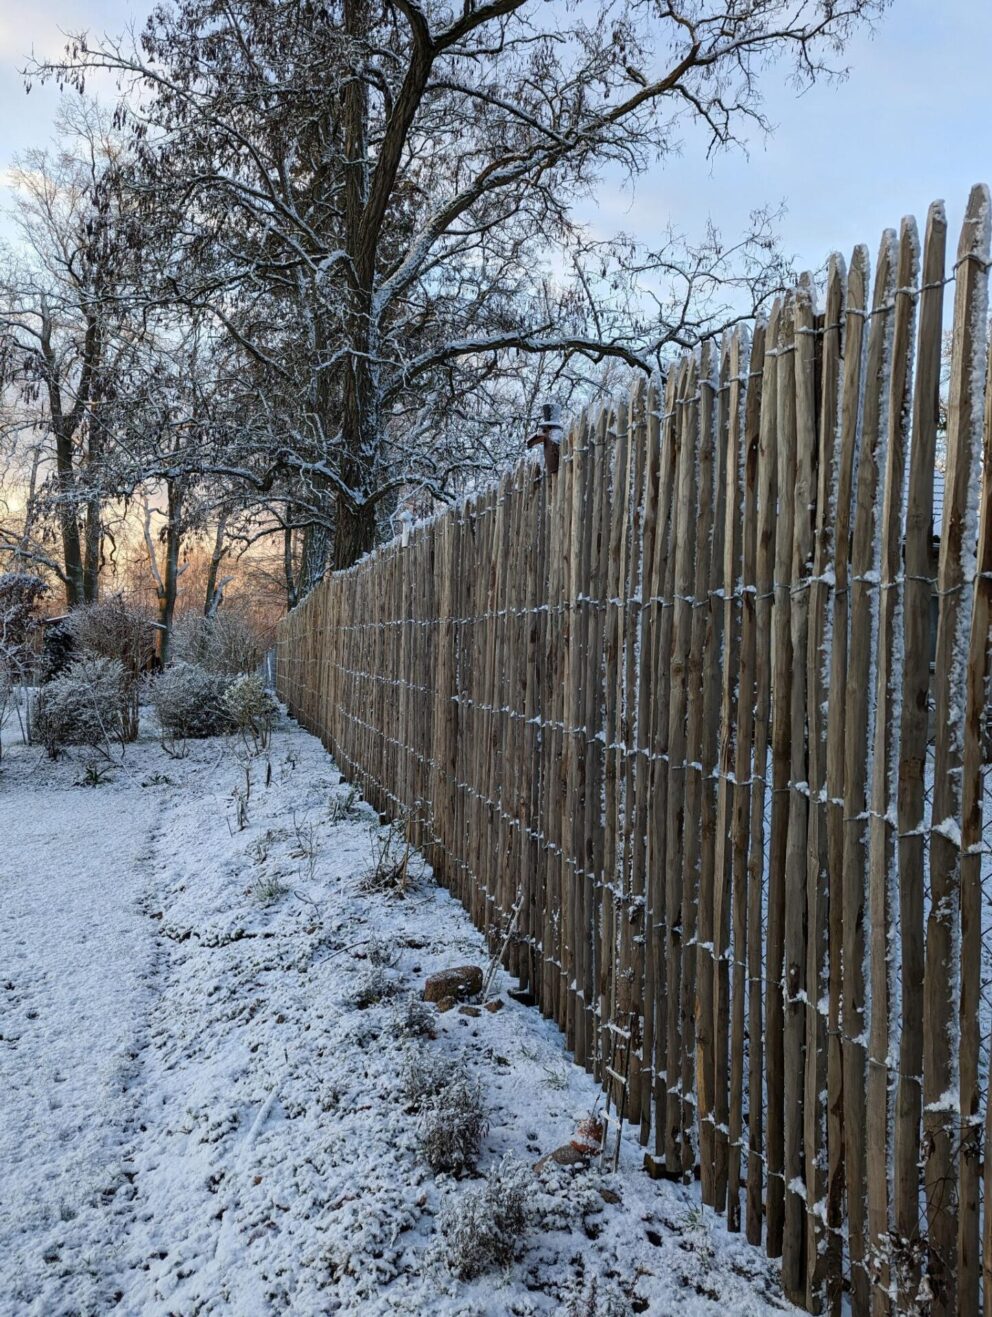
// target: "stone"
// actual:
[[462, 982], [566, 1155], [469, 1010]]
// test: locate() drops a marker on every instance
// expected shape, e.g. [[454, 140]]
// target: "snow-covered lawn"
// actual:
[[198, 1118]]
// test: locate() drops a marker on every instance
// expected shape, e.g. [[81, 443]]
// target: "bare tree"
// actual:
[[376, 200], [66, 345]]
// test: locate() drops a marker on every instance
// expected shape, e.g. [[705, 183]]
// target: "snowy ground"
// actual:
[[197, 1117]]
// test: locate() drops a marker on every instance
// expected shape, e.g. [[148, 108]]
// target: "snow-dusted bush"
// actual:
[[373, 986], [424, 1074], [381, 951], [227, 643], [453, 1123], [115, 628], [21, 594], [84, 706], [251, 709], [189, 702], [600, 1299], [483, 1228], [414, 1019]]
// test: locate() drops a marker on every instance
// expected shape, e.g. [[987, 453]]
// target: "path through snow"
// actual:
[[198, 1117]]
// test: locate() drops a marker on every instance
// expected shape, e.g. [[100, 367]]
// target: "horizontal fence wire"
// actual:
[[697, 728]]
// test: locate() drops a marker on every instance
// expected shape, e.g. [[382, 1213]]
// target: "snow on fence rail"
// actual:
[[677, 715]]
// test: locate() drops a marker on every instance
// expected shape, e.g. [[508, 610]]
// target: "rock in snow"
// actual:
[[461, 983]]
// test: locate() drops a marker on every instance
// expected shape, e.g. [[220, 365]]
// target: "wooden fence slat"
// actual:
[[727, 543], [781, 681], [797, 433], [745, 933], [917, 593], [822, 1247], [978, 559], [703, 1031], [882, 901], [665, 577], [764, 575], [685, 548], [861, 658], [648, 629], [942, 1110]]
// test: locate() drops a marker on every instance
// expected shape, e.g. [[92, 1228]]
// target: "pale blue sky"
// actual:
[[913, 123]]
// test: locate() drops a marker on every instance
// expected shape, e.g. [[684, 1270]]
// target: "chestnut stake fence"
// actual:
[[701, 721]]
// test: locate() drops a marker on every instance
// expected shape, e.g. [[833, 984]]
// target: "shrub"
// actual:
[[452, 1125], [372, 987], [424, 1075], [226, 643], [59, 651], [415, 1019], [599, 1300], [251, 709], [84, 706], [482, 1229], [20, 600], [117, 629], [189, 702]]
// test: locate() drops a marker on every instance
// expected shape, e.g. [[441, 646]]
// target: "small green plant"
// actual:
[[95, 774], [555, 1077], [342, 802], [268, 889]]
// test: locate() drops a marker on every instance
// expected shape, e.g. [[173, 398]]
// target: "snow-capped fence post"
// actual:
[[781, 681], [882, 903], [661, 724], [950, 1075], [911, 849], [764, 574], [798, 436], [857, 740], [822, 1257], [725, 560]]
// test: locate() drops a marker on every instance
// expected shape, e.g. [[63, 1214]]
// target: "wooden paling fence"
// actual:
[[701, 722]]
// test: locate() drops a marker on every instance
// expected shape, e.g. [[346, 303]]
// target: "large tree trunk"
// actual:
[[72, 550], [354, 532], [213, 593], [93, 550], [167, 578], [288, 569], [167, 595], [93, 522], [313, 560]]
